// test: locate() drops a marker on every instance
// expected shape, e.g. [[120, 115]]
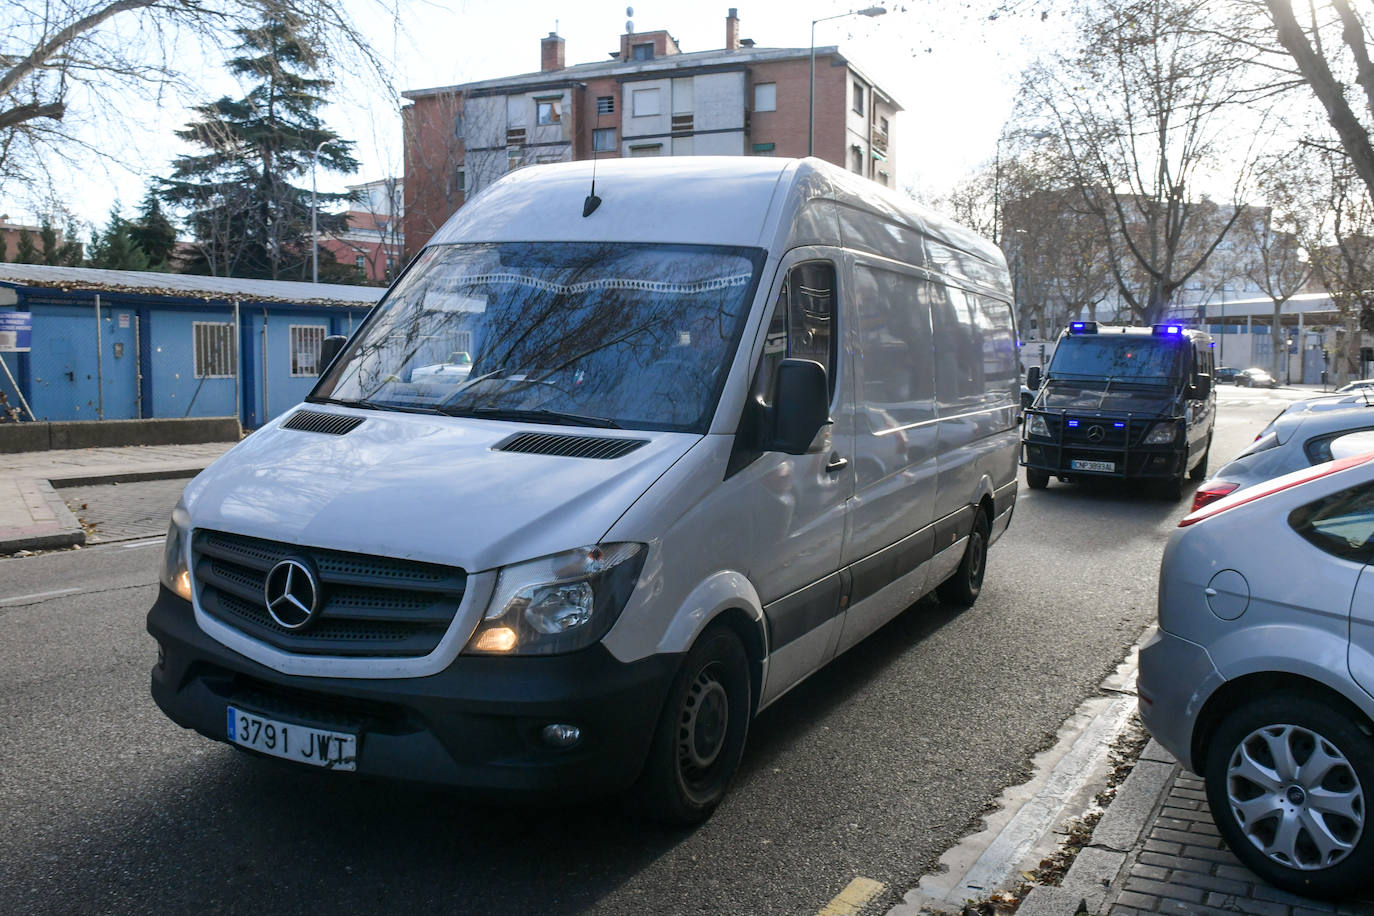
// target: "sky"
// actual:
[[951, 64]]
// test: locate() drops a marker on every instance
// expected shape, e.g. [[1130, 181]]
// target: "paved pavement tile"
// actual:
[[1182, 866]]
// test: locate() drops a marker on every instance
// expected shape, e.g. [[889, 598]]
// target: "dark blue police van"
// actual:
[[1129, 403]]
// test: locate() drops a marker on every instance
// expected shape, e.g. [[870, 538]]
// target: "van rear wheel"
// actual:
[[700, 735], [962, 588]]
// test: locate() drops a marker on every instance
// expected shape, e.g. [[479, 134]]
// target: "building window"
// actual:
[[856, 159], [603, 139], [460, 180], [605, 104], [306, 340], [883, 178], [549, 111], [858, 97], [882, 124], [763, 149], [390, 267], [514, 159], [644, 102], [214, 352], [643, 51], [458, 126], [766, 97], [648, 149]]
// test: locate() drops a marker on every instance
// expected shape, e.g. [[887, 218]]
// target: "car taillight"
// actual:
[[1211, 494], [1277, 485]]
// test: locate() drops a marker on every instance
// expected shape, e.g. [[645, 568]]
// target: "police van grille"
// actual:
[[371, 606], [566, 446], [313, 421]]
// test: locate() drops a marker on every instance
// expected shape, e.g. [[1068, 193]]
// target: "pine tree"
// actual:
[[247, 217], [154, 233], [57, 250], [25, 251], [115, 248]]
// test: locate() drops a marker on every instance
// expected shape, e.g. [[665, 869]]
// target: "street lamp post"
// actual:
[[871, 12], [314, 231]]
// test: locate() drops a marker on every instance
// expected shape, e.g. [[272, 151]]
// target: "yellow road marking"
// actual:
[[853, 898]]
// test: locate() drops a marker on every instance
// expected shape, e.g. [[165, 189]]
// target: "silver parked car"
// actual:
[[1294, 439], [1260, 675]]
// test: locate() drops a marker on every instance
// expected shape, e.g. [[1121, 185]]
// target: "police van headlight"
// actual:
[[560, 603], [1036, 426], [174, 573], [1162, 434]]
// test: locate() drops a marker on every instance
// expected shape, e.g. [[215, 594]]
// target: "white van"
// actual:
[[712, 434]]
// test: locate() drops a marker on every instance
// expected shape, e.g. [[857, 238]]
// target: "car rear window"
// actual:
[[1341, 524]]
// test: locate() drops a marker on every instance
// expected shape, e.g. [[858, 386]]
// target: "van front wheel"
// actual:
[[700, 735], [962, 588], [1037, 480]]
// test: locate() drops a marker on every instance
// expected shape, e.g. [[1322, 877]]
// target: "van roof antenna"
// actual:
[[592, 202]]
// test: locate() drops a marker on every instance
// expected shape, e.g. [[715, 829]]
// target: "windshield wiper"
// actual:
[[365, 404], [533, 416]]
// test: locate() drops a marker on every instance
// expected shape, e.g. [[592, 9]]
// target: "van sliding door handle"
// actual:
[[836, 463]]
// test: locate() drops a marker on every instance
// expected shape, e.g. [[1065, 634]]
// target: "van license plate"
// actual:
[[315, 746], [1080, 465]]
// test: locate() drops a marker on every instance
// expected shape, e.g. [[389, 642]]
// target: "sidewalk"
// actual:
[[1156, 850], [33, 515]]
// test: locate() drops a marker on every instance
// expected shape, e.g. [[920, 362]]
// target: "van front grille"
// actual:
[[368, 605]]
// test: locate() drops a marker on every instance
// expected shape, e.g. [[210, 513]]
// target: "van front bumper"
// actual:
[[475, 725]]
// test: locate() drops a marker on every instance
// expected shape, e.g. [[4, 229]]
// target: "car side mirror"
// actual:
[[329, 349], [1033, 378], [1201, 387], [801, 406]]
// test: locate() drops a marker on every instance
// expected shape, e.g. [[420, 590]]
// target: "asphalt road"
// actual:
[[872, 768]]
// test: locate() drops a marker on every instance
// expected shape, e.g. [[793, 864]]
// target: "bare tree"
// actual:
[[1272, 238], [55, 55], [1141, 106]]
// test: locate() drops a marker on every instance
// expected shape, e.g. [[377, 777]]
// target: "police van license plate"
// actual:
[[315, 746], [1080, 465]]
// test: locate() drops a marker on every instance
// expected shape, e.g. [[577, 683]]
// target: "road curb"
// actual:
[[92, 480], [1095, 876]]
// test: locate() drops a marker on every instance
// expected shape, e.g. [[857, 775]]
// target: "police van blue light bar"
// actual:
[[1083, 327], [1167, 330]]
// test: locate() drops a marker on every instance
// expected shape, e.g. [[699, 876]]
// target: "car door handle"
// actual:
[[1210, 592], [836, 463]]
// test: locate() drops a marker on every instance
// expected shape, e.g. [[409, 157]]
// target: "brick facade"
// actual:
[[705, 105]]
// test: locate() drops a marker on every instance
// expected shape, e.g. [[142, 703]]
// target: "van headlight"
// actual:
[[1162, 434], [174, 574], [560, 603], [1036, 426]]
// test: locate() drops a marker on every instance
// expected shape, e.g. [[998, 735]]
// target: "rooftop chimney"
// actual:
[[551, 53], [732, 30]]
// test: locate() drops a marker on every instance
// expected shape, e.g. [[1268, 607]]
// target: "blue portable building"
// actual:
[[117, 344]]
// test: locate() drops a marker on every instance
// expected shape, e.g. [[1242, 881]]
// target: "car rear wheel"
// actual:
[[1286, 781], [962, 588], [700, 735], [1037, 480]]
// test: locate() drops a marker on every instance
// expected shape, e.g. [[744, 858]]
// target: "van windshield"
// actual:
[[1118, 358], [601, 334]]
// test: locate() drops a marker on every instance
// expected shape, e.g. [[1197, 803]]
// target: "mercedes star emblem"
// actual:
[[292, 594], [1096, 434]]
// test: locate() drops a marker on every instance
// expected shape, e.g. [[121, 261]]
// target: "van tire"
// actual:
[[962, 588], [1037, 480], [1199, 471], [699, 739], [1171, 488]]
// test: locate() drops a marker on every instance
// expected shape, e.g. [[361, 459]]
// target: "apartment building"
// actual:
[[373, 242], [649, 99]]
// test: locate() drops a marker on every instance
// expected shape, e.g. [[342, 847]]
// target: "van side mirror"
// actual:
[[329, 349], [1033, 378], [1201, 387], [801, 406]]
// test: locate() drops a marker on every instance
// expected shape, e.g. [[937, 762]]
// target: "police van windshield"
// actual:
[[1118, 358], [618, 335]]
